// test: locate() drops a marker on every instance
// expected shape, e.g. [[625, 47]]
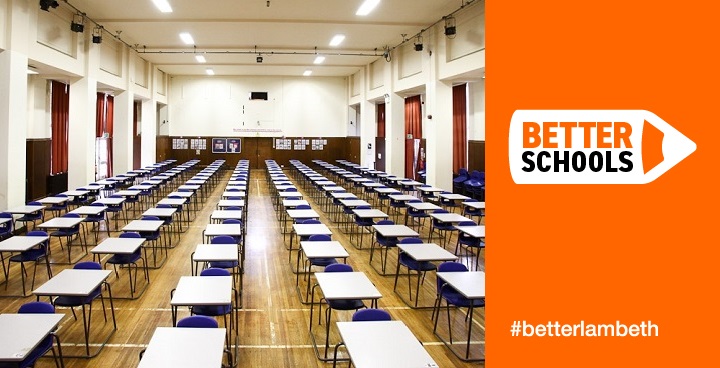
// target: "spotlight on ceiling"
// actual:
[[97, 34], [259, 59], [419, 43], [450, 29], [47, 4], [78, 23]]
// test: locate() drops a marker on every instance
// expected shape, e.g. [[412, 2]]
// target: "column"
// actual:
[[122, 135], [395, 134], [148, 131], [13, 104], [438, 134]]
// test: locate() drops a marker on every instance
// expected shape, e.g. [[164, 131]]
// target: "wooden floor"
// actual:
[[273, 322]]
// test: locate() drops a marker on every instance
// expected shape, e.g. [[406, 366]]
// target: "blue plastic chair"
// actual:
[[469, 242], [81, 301], [214, 310], [472, 212], [371, 314], [362, 223], [32, 255], [342, 304], [442, 228], [198, 322], [383, 242], [129, 260], [68, 233], [6, 229], [97, 219], [460, 179], [450, 295], [32, 217], [45, 345], [421, 267]]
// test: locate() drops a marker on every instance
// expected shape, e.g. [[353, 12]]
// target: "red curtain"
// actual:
[[59, 117], [100, 115], [459, 127], [104, 124], [380, 120], [413, 126]]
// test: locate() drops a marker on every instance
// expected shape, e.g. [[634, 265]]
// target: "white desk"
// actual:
[[20, 334], [221, 229], [474, 231], [396, 231], [201, 290], [172, 347], [454, 196], [80, 283], [231, 203], [124, 246], [383, 344], [88, 210], [220, 215], [147, 226], [306, 230], [214, 253], [65, 223], [472, 286], [341, 286], [317, 249], [18, 244], [476, 205], [53, 200], [233, 193], [425, 252], [24, 210]]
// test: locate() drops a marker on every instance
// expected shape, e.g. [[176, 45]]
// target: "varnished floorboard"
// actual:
[[273, 322]]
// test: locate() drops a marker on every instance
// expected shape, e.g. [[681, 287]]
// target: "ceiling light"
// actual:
[[259, 59], [209, 71], [77, 24], [163, 6], [367, 6], [419, 43], [47, 4], [187, 38], [97, 34], [450, 29], [337, 39], [307, 73], [200, 58], [319, 60]]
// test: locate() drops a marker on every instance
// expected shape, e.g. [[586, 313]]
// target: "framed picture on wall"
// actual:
[[219, 145], [233, 145]]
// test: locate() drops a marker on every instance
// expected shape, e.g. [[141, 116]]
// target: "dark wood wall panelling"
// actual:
[[476, 156], [259, 149], [37, 168]]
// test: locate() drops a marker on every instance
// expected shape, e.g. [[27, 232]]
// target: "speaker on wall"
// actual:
[[259, 96]]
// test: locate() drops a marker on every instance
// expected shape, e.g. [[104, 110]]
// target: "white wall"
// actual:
[[476, 111], [220, 106], [38, 115]]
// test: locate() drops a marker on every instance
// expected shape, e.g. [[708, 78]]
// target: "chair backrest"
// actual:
[[385, 222], [311, 221], [130, 235], [37, 233], [411, 241], [233, 208], [319, 237], [232, 221], [214, 272], [303, 207], [471, 200], [338, 267], [452, 267], [198, 322], [441, 211], [463, 172], [223, 239], [5, 215], [291, 190], [293, 198], [97, 204], [164, 206], [34, 203], [36, 307], [150, 218], [362, 207], [116, 196], [88, 265], [371, 314], [71, 215], [466, 223]]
